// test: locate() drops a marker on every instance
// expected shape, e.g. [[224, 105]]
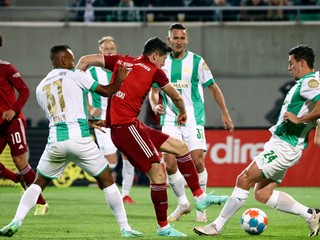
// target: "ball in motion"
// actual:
[[254, 221]]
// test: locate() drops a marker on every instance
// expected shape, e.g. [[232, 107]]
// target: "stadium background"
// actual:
[[248, 60]]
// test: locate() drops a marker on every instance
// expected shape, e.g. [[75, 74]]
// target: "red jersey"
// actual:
[[125, 105], [10, 80]]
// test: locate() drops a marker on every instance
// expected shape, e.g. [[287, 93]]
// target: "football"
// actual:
[[254, 221]]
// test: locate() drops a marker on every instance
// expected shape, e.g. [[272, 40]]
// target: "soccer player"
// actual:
[[298, 116], [60, 95], [188, 73], [141, 143], [97, 108], [13, 127]]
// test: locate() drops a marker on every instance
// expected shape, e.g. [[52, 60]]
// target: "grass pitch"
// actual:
[[82, 213]]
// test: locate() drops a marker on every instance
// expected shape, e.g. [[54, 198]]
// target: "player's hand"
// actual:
[[290, 117], [8, 115], [159, 109], [182, 119], [95, 112], [227, 123], [122, 73], [98, 124]]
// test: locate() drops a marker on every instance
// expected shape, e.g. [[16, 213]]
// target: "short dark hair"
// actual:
[[304, 52], [178, 26], [56, 49], [156, 45], [1, 40]]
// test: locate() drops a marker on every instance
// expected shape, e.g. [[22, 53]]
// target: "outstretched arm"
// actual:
[[90, 60], [218, 97], [108, 90]]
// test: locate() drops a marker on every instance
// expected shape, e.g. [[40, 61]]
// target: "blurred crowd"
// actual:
[[186, 15]]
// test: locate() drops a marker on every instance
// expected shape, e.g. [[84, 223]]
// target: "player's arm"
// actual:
[[16, 80], [90, 60], [311, 116], [176, 98], [108, 90], [157, 107], [317, 134], [218, 97]]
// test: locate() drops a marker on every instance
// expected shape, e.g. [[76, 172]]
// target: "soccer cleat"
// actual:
[[171, 232], [210, 200], [10, 229], [41, 209], [128, 200], [201, 217], [180, 210], [131, 233], [314, 223], [207, 230]]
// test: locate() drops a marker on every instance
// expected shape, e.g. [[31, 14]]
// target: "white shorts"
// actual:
[[277, 157], [104, 141], [84, 152], [192, 135]]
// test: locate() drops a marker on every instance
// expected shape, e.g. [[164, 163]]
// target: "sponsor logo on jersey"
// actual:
[[205, 66], [120, 94], [313, 83], [181, 84], [16, 75]]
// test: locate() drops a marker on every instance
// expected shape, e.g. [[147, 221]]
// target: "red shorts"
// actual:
[[14, 134], [139, 143]]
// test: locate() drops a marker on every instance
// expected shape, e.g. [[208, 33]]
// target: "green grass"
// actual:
[[82, 213]]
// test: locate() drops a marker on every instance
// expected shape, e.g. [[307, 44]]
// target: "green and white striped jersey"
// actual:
[[103, 77], [300, 100], [61, 95], [188, 75]]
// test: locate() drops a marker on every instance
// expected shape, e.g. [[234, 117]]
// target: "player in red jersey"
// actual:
[[13, 126], [141, 143]]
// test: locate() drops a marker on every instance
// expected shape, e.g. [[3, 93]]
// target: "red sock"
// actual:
[[29, 176], [188, 170], [7, 173], [159, 198]]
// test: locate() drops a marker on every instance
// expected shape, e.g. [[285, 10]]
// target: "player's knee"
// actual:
[[182, 149], [261, 196]]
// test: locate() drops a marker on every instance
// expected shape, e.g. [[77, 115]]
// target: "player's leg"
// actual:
[[19, 151], [265, 193], [245, 180], [159, 198], [198, 158], [27, 202], [127, 179], [93, 162], [176, 182], [7, 173], [188, 170], [176, 179]]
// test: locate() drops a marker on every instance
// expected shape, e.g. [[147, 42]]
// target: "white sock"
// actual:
[[203, 179], [285, 203], [127, 177], [176, 182], [114, 200], [234, 203], [28, 201]]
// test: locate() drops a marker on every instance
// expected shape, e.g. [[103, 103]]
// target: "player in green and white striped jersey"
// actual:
[[298, 115], [61, 96], [189, 73], [97, 108]]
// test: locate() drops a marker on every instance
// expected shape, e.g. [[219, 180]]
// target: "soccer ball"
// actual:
[[254, 221]]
